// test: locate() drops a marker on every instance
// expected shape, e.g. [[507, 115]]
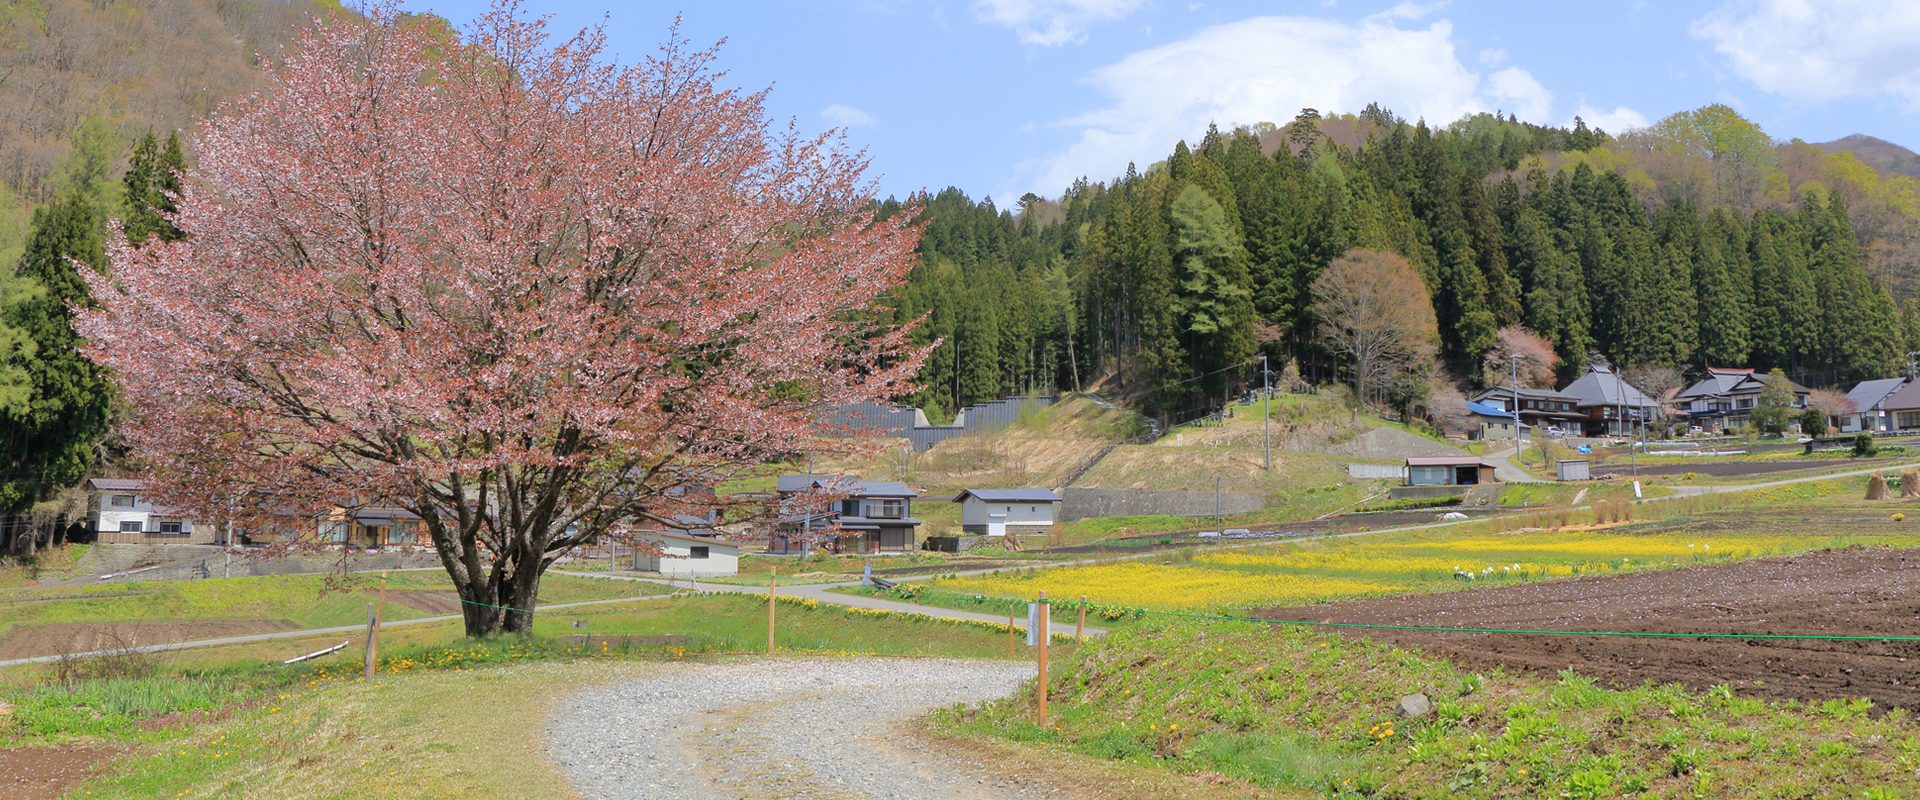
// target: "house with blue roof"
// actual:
[[998, 512]]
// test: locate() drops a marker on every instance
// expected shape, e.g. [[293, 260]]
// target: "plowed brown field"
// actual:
[[1855, 592]]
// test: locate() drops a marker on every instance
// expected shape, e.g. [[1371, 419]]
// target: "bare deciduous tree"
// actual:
[[1374, 309]]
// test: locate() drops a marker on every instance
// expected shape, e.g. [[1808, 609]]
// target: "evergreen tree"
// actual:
[[1215, 303], [152, 181], [48, 445]]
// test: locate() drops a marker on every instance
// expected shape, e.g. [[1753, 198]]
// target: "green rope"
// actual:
[[1141, 610]]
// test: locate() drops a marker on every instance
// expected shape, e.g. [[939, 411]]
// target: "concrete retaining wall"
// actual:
[[1087, 503], [1367, 472]]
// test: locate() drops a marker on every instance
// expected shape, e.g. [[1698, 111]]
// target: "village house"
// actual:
[[118, 512], [1539, 408], [1725, 398], [874, 516], [1492, 422], [998, 512], [1449, 471], [679, 555], [1608, 405], [1870, 412]]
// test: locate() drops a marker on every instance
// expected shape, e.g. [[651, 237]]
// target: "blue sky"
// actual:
[[1001, 97]]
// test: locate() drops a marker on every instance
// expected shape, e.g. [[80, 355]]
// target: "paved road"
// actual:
[[822, 592]]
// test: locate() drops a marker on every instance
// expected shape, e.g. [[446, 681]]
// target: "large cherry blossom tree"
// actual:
[[489, 278]]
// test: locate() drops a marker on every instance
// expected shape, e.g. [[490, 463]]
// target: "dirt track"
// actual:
[[27, 641], [1733, 469], [1861, 591]]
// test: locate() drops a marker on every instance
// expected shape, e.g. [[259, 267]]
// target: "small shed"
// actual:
[[1448, 471], [684, 555], [997, 512], [1573, 469]]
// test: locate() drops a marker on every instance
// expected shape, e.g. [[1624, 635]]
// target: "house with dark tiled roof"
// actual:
[[874, 516], [1609, 406], [1725, 397]]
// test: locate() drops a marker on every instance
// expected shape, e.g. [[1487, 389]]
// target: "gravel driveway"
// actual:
[[800, 728]]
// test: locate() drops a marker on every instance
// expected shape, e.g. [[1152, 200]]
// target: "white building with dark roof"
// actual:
[[1870, 411], [998, 512], [118, 512]]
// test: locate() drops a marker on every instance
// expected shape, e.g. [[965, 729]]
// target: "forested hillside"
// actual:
[[1697, 241], [82, 80]]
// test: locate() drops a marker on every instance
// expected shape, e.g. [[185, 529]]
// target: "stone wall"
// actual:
[[1087, 503]]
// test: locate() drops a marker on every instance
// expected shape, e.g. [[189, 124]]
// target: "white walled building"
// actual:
[[118, 512], [996, 512], [686, 556]]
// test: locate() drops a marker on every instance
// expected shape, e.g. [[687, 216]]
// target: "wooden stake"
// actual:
[[366, 654], [1044, 634], [373, 631], [1080, 628], [1010, 630], [770, 573]]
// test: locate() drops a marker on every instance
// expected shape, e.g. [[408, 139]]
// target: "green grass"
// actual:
[[1303, 709], [308, 601]]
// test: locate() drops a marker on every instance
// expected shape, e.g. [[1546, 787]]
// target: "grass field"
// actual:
[[307, 601], [1313, 712]]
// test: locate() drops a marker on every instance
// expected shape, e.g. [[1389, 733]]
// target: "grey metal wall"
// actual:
[[903, 421]]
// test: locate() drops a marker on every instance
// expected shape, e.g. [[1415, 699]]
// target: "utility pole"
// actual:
[[1266, 410], [1514, 360]]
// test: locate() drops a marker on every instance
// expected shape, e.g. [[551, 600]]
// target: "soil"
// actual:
[[27, 641], [41, 773], [1854, 592], [434, 603], [1728, 469]]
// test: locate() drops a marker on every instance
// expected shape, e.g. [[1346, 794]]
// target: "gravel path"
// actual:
[[787, 728]]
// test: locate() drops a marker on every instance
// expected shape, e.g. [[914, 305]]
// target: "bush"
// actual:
[[1813, 423], [1863, 446]]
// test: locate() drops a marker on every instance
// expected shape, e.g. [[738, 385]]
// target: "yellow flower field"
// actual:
[[1163, 586], [1330, 570]]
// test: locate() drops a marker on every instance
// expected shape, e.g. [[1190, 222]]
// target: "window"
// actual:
[[400, 533], [129, 527], [697, 551], [171, 528], [889, 508], [850, 508], [122, 501], [334, 531]]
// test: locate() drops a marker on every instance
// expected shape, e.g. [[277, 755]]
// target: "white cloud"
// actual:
[[1818, 51], [1053, 22], [1616, 121], [846, 116], [1267, 69], [1519, 93], [1492, 57]]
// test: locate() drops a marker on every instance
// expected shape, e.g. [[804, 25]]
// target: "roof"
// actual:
[[1600, 387], [842, 484], [1446, 461], [1867, 394], [1539, 394], [1907, 399], [1488, 411], [1009, 495], [366, 515], [684, 537], [116, 484]]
